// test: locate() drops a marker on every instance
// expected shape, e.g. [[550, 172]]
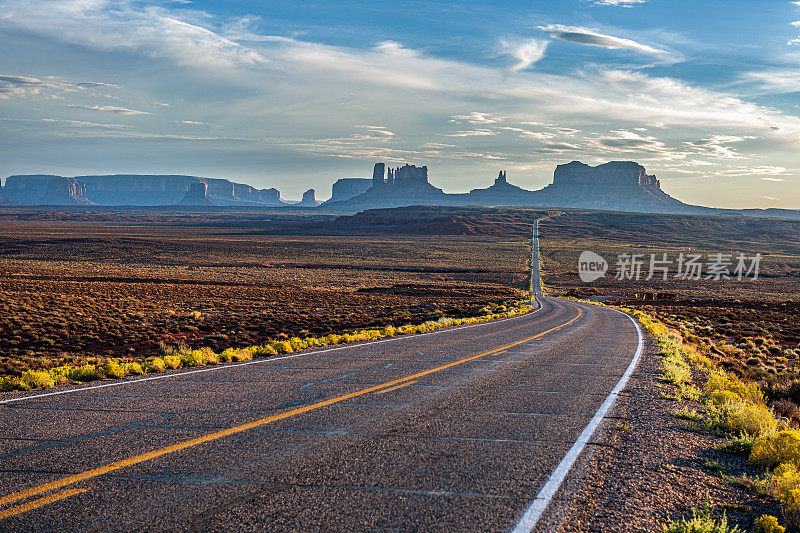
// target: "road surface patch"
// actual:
[[154, 454]]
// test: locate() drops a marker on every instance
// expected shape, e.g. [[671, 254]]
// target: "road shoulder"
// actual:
[[644, 467]]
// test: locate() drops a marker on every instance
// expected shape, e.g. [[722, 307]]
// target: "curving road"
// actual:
[[470, 428]]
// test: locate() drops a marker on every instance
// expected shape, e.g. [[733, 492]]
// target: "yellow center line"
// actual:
[[88, 474], [407, 383], [35, 504]]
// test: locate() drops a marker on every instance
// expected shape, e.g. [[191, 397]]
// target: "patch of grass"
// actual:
[[686, 413], [741, 444], [714, 466], [703, 520]]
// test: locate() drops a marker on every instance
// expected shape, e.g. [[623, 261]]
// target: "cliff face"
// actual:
[[196, 194], [27, 189], [346, 188], [65, 191], [141, 189], [395, 187], [309, 199], [271, 197], [618, 185]]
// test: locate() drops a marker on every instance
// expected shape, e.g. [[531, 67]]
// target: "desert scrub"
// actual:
[[172, 361], [741, 417], [773, 449], [154, 364], [35, 380], [702, 521], [112, 369], [182, 356], [688, 414], [674, 368], [767, 524]]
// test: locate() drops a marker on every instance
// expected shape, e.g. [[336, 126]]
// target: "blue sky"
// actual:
[[295, 95]]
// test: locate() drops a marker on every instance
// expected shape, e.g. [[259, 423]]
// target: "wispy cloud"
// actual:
[[586, 36], [476, 117], [125, 24], [616, 3], [526, 52], [109, 109], [21, 86]]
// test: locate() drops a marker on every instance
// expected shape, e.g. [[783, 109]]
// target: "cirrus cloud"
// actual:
[[586, 36]]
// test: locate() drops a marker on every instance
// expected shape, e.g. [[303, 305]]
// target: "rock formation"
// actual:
[[141, 189], [346, 188], [501, 193], [65, 191], [26, 189], [395, 187], [309, 199], [617, 185], [196, 194], [271, 197]]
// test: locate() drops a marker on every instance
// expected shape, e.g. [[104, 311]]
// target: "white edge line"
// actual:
[[262, 361], [537, 507]]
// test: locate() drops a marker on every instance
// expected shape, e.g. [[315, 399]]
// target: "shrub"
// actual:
[[193, 358], [749, 392], [674, 369], [689, 392], [786, 409], [84, 373], [687, 414], [8, 383], [112, 369], [786, 488], [702, 521], [172, 361], [742, 445], [227, 355], [133, 368], [282, 347], [263, 351], [156, 364], [35, 380], [774, 449], [739, 417], [767, 524]]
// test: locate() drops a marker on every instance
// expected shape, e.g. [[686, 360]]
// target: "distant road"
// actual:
[[470, 428]]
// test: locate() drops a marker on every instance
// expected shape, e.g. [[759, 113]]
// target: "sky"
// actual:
[[294, 95]]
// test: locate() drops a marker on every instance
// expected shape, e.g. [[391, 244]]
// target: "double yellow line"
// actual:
[[89, 474]]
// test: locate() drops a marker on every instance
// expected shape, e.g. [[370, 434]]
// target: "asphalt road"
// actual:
[[455, 430]]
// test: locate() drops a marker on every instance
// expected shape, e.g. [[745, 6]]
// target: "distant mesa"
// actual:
[[616, 186], [500, 193], [394, 187], [346, 188], [64, 191], [141, 190], [196, 194], [613, 186], [309, 199], [271, 197]]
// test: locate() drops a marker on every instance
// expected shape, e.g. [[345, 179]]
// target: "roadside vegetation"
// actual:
[[183, 356], [749, 414]]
